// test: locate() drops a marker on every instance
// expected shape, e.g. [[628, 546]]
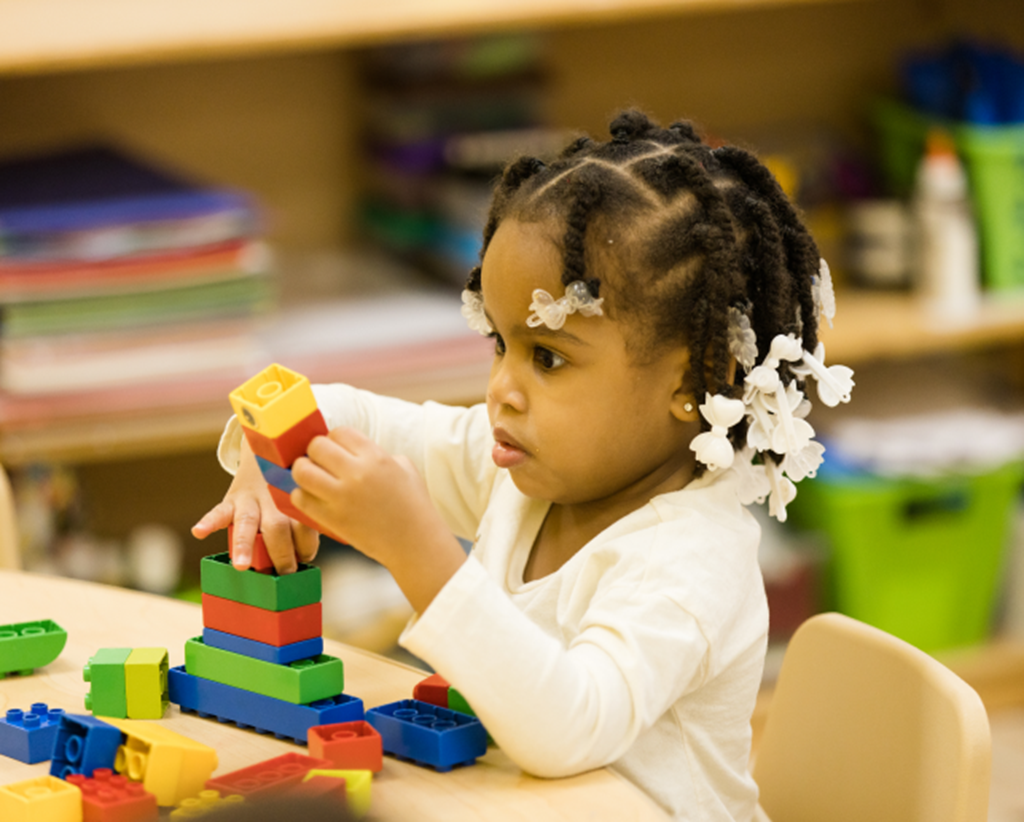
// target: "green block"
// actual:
[[457, 702], [271, 591], [301, 682], [105, 675], [25, 646], [145, 682]]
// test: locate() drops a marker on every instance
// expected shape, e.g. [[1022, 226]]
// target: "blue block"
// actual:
[[427, 734], [276, 475], [29, 737], [84, 744], [280, 654], [263, 714]]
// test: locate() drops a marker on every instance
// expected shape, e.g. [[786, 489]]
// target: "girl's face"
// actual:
[[575, 419]]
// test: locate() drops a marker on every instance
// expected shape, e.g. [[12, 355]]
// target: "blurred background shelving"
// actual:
[[278, 99]]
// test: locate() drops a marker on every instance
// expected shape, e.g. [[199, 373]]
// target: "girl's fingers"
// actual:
[[216, 519], [306, 540], [246, 526], [277, 536]]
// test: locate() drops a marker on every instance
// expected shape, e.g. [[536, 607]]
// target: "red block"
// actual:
[[271, 775], [110, 797], [433, 689], [350, 746], [261, 560], [283, 450], [272, 627], [284, 504]]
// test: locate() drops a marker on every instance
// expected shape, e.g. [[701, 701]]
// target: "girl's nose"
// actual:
[[503, 388]]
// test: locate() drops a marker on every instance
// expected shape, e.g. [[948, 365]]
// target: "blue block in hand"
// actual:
[[276, 475], [30, 737], [280, 654], [263, 714], [84, 744], [427, 734]]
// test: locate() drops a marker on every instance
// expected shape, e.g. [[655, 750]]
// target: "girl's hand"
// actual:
[[380, 505], [249, 506]]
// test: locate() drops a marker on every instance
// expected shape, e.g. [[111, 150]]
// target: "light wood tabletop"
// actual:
[[99, 616]]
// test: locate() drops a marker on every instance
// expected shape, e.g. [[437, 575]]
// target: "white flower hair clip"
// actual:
[[546, 310], [742, 339], [473, 311], [713, 447], [823, 293]]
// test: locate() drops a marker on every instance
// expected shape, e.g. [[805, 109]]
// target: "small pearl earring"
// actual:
[[688, 407]]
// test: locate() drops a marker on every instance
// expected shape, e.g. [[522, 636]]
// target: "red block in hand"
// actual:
[[284, 449], [260, 558]]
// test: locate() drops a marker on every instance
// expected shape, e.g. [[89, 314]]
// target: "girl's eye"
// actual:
[[548, 359], [499, 343]]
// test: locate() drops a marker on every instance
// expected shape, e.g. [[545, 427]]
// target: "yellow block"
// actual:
[[145, 681], [273, 401], [43, 799], [206, 801], [170, 766], [357, 788]]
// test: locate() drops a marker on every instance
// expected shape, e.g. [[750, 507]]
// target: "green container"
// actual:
[[994, 159], [270, 591], [921, 559]]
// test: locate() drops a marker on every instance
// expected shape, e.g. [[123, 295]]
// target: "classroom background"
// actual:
[[316, 178]]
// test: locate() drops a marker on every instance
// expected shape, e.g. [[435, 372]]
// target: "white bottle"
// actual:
[[947, 240]]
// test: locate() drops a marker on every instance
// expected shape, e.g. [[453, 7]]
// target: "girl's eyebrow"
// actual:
[[542, 330]]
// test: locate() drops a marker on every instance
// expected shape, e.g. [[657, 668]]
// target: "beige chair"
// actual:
[[10, 554], [864, 727]]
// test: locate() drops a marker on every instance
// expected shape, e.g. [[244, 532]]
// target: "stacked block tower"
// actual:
[[260, 660]]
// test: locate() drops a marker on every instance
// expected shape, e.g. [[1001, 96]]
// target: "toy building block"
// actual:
[[278, 654], [272, 592], [300, 682], [207, 800], [428, 735], [43, 799], [170, 766], [285, 448], [285, 505], [105, 674], [261, 560], [352, 745], [110, 797], [145, 677], [273, 401], [25, 646], [277, 476], [457, 702], [83, 744], [30, 737], [433, 689], [357, 787], [260, 713], [269, 776], [320, 787], [271, 627]]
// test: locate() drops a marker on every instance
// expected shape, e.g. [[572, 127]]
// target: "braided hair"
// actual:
[[682, 234]]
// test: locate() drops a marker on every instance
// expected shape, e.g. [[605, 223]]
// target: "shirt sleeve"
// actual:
[[560, 710], [448, 445]]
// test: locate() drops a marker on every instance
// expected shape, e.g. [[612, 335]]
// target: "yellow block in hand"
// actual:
[[273, 401]]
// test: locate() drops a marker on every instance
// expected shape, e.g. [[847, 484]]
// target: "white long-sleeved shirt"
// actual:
[[643, 652]]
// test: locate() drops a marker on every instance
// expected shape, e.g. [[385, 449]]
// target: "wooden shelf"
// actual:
[[875, 325], [46, 35]]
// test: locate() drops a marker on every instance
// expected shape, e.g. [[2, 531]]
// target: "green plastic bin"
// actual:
[[921, 559], [994, 159]]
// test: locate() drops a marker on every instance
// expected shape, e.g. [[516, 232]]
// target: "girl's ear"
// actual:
[[685, 406]]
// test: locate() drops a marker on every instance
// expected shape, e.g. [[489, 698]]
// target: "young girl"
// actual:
[[653, 305]]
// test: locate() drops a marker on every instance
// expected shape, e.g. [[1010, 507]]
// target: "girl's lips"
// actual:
[[507, 453]]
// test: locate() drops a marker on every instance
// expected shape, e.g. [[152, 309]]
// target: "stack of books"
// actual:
[[116, 273]]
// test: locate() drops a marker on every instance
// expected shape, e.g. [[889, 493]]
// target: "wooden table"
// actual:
[[99, 616]]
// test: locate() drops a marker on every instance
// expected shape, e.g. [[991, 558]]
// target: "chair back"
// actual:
[[864, 726], [10, 552]]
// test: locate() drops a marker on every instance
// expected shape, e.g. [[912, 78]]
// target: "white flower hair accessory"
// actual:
[[823, 293], [713, 447], [742, 340], [546, 310], [473, 311]]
